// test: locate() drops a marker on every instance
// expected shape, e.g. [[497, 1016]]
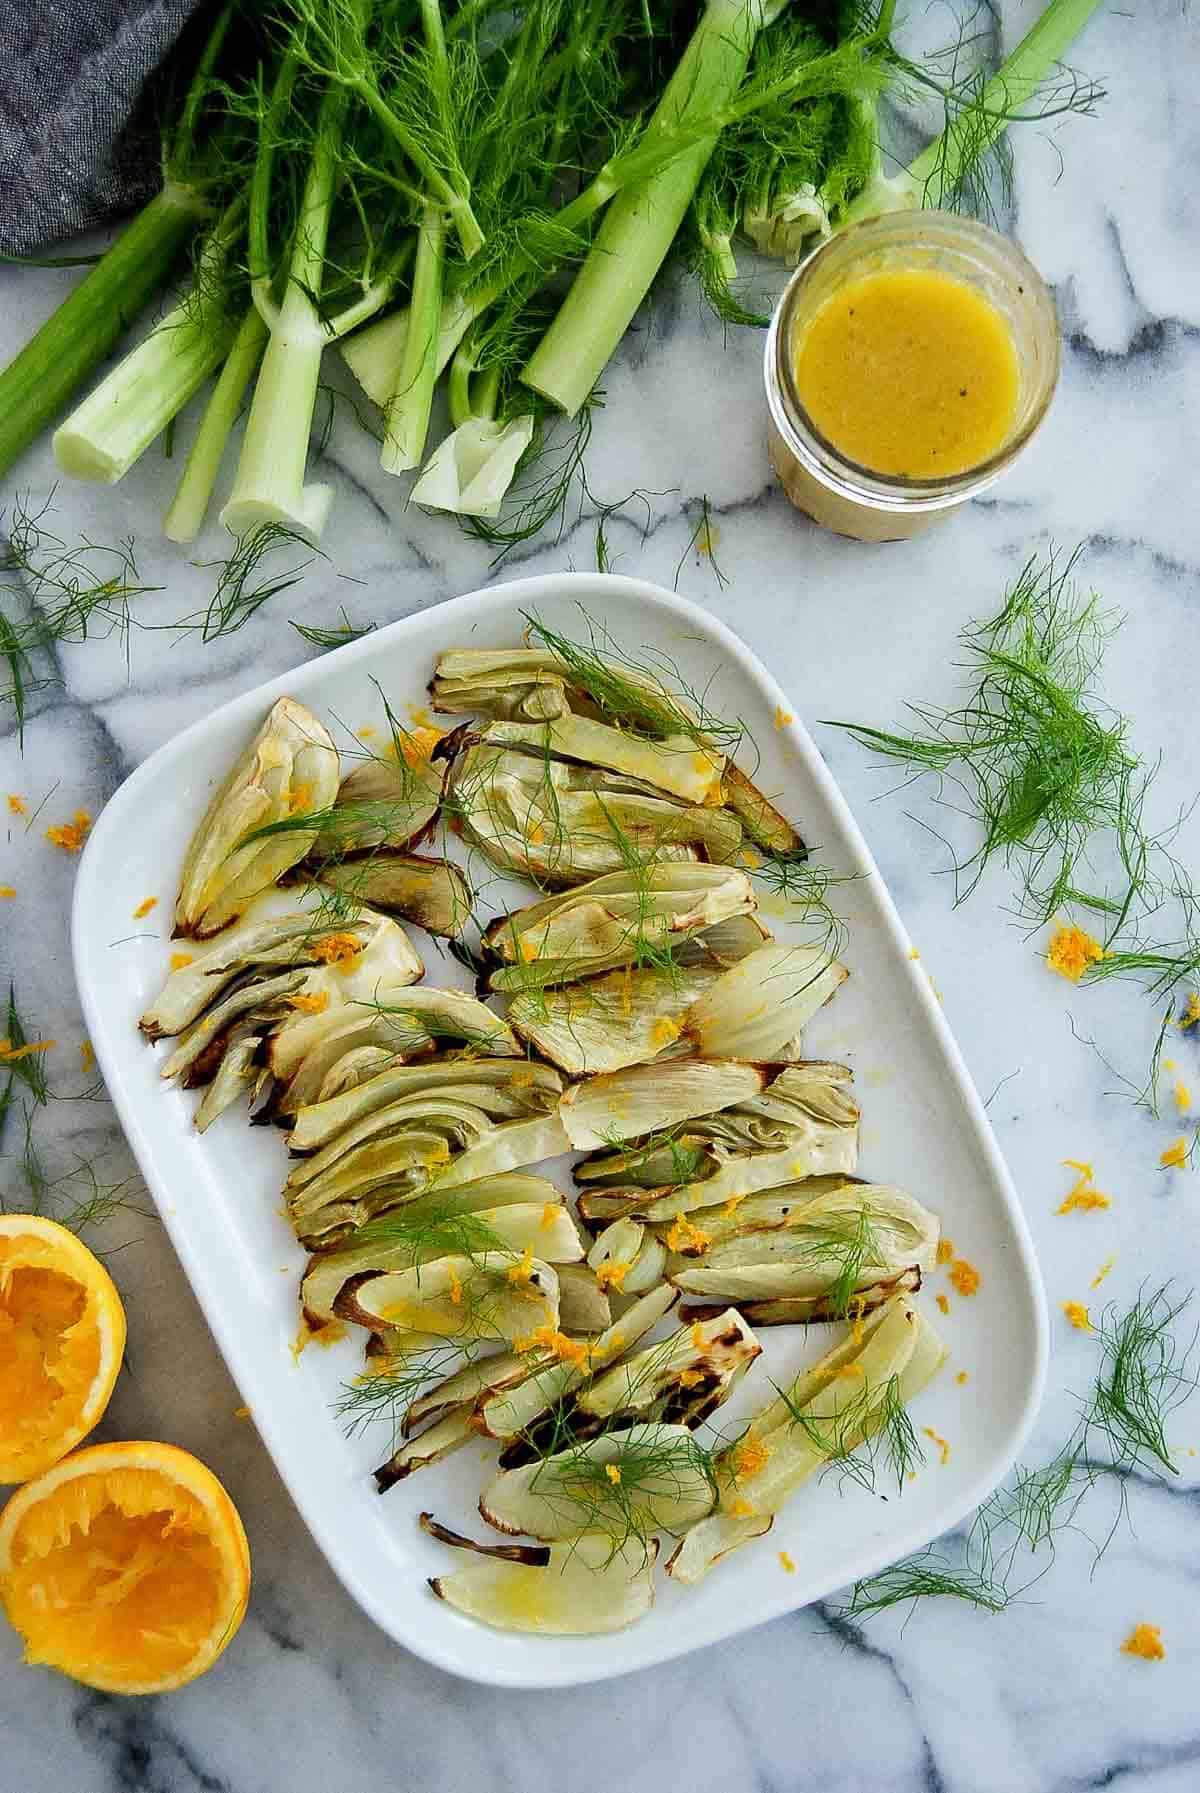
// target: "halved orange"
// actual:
[[125, 1566], [62, 1336]]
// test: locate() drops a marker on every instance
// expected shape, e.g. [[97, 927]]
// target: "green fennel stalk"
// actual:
[[189, 506], [269, 487], [118, 420], [942, 169], [642, 223]]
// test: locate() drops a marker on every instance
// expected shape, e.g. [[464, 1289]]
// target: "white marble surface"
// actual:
[[1039, 1698]]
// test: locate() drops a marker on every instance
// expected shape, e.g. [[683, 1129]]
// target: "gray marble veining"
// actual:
[[1037, 1699]]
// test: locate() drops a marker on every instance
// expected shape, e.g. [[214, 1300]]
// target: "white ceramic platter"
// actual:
[[219, 1195]]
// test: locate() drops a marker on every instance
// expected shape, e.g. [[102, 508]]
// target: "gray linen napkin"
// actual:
[[71, 75]]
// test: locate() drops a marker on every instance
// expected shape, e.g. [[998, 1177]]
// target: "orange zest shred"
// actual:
[[536, 835], [1083, 1197], [299, 799], [782, 716], [312, 1003], [1191, 1014], [699, 1342], [241, 1413], [964, 1276], [664, 1031], [690, 1378], [1145, 1641], [1071, 951], [943, 1302], [741, 1508], [849, 1370], [550, 1213], [7, 890], [1176, 1155], [17, 806], [613, 1473], [71, 835], [1183, 1097], [179, 960], [416, 748], [750, 1457], [684, 1236], [335, 949], [962, 1377], [545, 1338], [456, 1288], [612, 1274], [144, 907], [1103, 1271], [1077, 1315], [945, 1251], [730, 1208], [786, 1563], [87, 1055], [943, 1448], [521, 1272], [11, 1055]]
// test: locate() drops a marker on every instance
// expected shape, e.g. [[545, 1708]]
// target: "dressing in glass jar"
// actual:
[[908, 362]]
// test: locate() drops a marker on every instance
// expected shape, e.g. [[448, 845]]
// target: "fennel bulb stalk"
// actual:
[[643, 220], [118, 420], [408, 404], [189, 506], [74, 340], [270, 487], [942, 167]]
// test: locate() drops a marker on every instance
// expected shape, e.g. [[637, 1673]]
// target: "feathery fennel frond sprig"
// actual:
[[657, 700], [1048, 770], [703, 540], [242, 586], [334, 637], [616, 1493], [869, 1432], [53, 595], [389, 1385]]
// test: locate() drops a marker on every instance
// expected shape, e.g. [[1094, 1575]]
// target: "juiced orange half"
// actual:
[[125, 1566], [62, 1337]]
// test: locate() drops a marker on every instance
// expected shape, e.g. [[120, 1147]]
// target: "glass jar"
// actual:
[[835, 491]]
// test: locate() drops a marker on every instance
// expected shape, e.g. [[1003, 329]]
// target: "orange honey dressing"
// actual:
[[908, 372]]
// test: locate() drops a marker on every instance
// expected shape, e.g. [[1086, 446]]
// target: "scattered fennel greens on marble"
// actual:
[[1147, 1371]]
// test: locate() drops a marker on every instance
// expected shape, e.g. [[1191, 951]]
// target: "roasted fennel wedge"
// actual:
[[624, 918], [289, 770], [850, 1395], [562, 825], [630, 1017], [486, 1295], [680, 1380], [628, 1104], [578, 1589], [828, 1250], [804, 1124], [513, 1411], [390, 800], [626, 1484], [516, 1087], [397, 1242], [433, 893]]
